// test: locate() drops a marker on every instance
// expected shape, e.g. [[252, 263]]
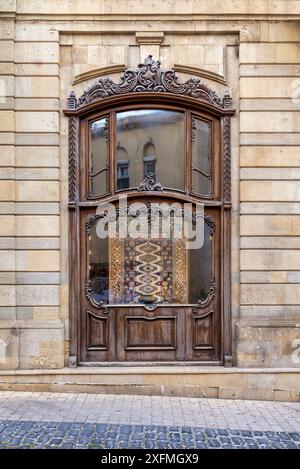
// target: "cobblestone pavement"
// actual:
[[68, 420], [20, 434]]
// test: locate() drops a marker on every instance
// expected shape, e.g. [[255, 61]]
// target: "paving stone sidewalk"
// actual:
[[68, 420]]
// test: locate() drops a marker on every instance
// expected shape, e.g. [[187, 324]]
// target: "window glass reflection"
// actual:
[[98, 171], [149, 270], [201, 157], [200, 268], [152, 141]]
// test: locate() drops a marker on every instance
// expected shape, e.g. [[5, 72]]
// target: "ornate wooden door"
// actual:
[[153, 140], [139, 299]]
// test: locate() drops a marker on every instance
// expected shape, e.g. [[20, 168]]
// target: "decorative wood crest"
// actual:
[[149, 77], [150, 210], [149, 184]]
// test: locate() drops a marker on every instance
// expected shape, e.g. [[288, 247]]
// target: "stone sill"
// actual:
[[151, 369]]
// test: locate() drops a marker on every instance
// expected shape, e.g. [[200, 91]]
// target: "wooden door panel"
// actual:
[[96, 332], [203, 337], [143, 333], [150, 335], [167, 333], [97, 336]]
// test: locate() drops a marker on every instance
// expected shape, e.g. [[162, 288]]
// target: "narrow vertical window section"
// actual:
[[201, 157], [99, 162]]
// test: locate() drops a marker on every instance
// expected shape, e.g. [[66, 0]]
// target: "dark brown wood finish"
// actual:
[[198, 333]]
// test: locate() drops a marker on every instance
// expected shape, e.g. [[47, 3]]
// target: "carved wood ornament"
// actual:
[[149, 77]]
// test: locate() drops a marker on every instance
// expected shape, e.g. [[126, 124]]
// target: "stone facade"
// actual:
[[49, 48]]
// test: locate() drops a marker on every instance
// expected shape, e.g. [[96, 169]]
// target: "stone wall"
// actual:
[[49, 48]]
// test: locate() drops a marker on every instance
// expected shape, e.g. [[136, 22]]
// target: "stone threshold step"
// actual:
[[216, 382]]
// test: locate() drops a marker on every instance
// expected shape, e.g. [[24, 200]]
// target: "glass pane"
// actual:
[[150, 141], [98, 266], [201, 156], [98, 158], [152, 268], [200, 183], [200, 269], [99, 181]]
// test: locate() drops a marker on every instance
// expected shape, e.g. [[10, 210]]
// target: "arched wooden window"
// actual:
[[160, 143]]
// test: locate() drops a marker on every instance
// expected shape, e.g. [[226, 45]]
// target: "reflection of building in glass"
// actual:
[[153, 141], [123, 181], [149, 159]]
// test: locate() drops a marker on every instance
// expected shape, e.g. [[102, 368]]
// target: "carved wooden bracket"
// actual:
[[89, 294], [205, 307]]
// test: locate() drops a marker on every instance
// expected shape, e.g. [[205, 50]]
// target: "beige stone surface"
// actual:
[[270, 156], [36, 52], [269, 53], [37, 261], [41, 348], [7, 295], [258, 53], [266, 87], [7, 121], [9, 342], [36, 69], [266, 121], [276, 7], [280, 276], [7, 190], [270, 225], [270, 259], [37, 191], [269, 70], [37, 295], [7, 28], [41, 174], [267, 347], [270, 191], [7, 86], [36, 87], [45, 313], [36, 31], [269, 104], [36, 104], [36, 156], [284, 32], [7, 50], [270, 208], [7, 261], [270, 173], [270, 138], [36, 121], [7, 225], [270, 242], [7, 155], [269, 294], [35, 225]]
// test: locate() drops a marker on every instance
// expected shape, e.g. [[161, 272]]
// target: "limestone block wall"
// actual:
[[50, 47], [268, 330]]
